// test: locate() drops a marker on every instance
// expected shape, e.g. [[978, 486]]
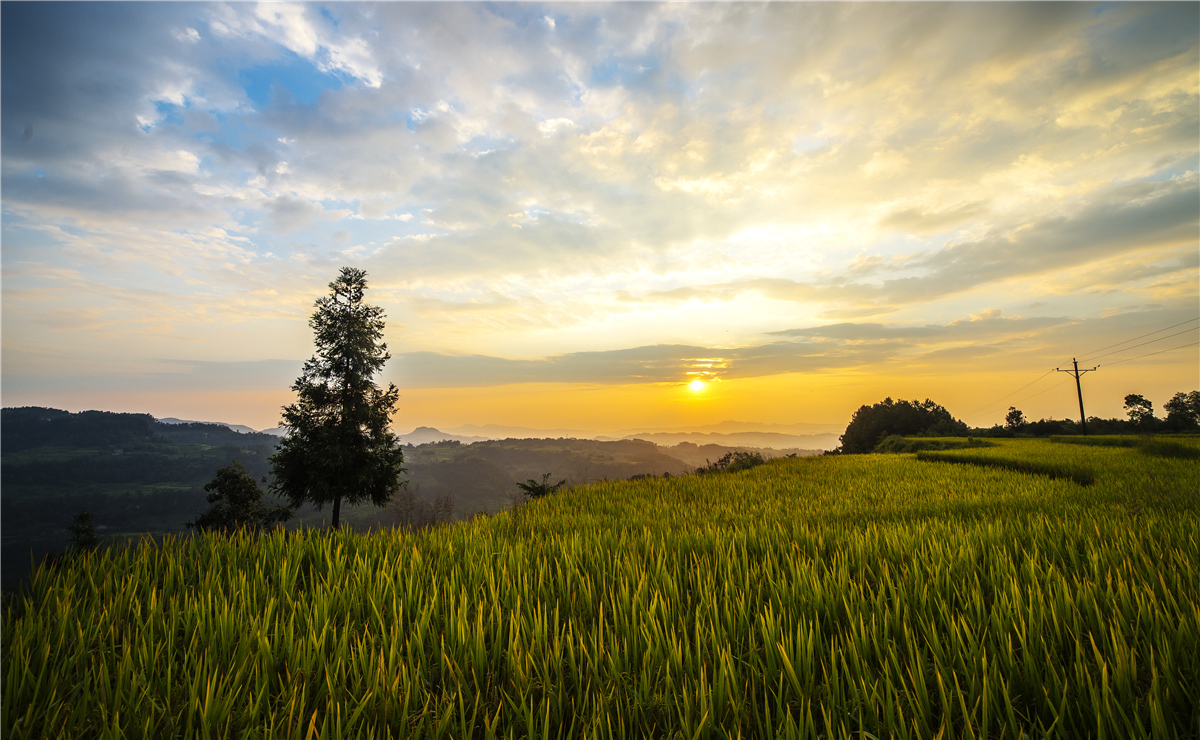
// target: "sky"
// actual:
[[569, 213]]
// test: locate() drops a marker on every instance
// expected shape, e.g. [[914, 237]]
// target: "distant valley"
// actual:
[[144, 476], [731, 434]]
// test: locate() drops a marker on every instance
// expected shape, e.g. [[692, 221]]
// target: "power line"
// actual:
[[1035, 395], [987, 406], [1067, 380], [1143, 344], [1127, 341], [1127, 359], [1026, 398], [1001, 399]]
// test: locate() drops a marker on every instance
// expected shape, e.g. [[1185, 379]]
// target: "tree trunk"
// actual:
[[337, 508]]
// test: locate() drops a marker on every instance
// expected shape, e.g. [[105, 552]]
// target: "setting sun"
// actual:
[[788, 216]]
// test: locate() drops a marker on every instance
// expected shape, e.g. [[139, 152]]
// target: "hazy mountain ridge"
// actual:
[[774, 436], [758, 439], [429, 435], [761, 440], [239, 428], [730, 433], [139, 475]]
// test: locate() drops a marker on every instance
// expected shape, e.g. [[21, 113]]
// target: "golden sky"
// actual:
[[569, 212]]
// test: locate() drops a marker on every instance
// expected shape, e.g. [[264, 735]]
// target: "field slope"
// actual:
[[817, 597]]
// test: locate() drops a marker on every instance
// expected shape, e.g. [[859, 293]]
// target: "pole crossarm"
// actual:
[[1079, 389]]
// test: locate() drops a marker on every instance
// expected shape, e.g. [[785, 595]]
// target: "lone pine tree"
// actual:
[[339, 444]]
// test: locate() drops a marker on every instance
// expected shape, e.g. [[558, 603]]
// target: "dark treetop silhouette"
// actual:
[[236, 502], [870, 424], [339, 443]]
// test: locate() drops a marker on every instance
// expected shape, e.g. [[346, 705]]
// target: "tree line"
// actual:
[[871, 425]]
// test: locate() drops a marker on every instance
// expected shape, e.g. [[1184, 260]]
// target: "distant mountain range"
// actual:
[[239, 428], [733, 427], [499, 431], [759, 439], [727, 433], [425, 435], [764, 440]]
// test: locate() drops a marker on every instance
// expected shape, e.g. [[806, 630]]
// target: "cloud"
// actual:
[[165, 376], [920, 221], [300, 29], [650, 364], [289, 214], [985, 326], [621, 175], [816, 349], [1124, 219]]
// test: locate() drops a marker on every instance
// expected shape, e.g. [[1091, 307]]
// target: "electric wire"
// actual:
[[1143, 344], [1127, 341], [1035, 395], [976, 410], [1089, 357], [1128, 359]]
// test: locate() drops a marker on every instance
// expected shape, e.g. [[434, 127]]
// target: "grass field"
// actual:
[[966, 594]]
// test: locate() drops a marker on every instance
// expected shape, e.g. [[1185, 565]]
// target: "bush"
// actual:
[[731, 462], [533, 489]]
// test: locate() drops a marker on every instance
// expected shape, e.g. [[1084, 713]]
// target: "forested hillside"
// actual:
[[135, 474], [139, 476]]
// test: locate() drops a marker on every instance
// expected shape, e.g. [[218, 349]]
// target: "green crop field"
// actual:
[[1031, 589]]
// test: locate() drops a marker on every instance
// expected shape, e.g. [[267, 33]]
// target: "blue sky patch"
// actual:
[[297, 75]]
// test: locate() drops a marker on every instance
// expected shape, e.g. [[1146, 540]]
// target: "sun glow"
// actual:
[[696, 385]]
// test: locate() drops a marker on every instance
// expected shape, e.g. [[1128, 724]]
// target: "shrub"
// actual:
[[731, 462], [533, 489]]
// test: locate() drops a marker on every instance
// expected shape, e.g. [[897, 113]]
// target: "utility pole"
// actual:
[[1079, 389]]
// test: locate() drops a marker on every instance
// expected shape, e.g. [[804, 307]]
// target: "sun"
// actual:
[[696, 385]]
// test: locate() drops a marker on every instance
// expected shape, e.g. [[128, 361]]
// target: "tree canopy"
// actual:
[[1183, 410], [1140, 410], [236, 500], [870, 424], [339, 443]]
